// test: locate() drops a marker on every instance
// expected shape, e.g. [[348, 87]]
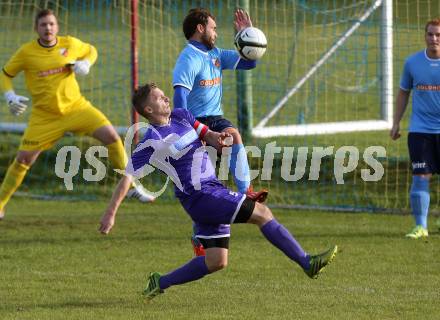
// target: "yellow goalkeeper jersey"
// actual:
[[48, 76]]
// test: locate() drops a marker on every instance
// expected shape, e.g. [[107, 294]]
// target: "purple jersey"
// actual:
[[176, 150]]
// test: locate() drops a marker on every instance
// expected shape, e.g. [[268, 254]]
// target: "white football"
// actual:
[[251, 43]]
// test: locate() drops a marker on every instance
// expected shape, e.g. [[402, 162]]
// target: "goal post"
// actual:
[[261, 130]]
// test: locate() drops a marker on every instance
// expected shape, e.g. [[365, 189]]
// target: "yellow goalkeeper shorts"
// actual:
[[43, 132]]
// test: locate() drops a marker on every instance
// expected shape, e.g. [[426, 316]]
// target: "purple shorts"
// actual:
[[213, 209]]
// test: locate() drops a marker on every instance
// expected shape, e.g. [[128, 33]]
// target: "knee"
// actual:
[[107, 135], [419, 186], [266, 214], [112, 137], [25, 159], [216, 265]]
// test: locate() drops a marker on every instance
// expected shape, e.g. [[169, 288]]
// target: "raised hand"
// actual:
[[242, 20]]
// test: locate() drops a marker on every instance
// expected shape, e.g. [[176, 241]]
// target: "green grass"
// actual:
[[54, 264]]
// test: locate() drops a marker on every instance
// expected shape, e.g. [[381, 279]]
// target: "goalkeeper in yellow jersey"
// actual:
[[50, 65]]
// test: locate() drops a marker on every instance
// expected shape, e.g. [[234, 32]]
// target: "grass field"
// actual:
[[55, 265]]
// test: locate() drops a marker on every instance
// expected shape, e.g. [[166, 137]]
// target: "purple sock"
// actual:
[[281, 238], [193, 270]]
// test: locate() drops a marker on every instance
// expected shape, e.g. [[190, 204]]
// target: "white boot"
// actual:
[[139, 194]]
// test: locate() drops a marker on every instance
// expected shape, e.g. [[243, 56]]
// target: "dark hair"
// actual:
[[195, 17], [433, 22], [140, 97], [43, 13]]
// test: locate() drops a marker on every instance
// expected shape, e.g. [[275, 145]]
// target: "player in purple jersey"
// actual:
[[421, 74], [173, 144], [197, 82]]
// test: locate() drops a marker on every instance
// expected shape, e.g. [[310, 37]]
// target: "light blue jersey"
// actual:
[[201, 73], [421, 74]]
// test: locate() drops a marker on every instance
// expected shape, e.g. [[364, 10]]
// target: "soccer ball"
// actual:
[[251, 43]]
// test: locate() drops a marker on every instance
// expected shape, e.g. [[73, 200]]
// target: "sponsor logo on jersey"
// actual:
[[216, 62], [64, 52], [428, 87], [210, 83], [49, 72]]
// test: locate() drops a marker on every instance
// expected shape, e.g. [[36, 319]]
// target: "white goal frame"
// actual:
[[386, 90]]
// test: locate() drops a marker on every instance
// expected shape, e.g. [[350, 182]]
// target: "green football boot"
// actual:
[[417, 233], [152, 288], [320, 261]]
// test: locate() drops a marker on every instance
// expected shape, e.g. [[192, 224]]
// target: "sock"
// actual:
[[117, 155], [281, 238], [419, 196], [239, 167], [13, 179], [193, 270]]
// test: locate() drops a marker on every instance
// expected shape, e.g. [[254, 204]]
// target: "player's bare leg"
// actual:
[[28, 157], [106, 134], [243, 186]]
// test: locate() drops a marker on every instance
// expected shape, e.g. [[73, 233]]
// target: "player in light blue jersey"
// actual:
[[421, 75], [197, 81]]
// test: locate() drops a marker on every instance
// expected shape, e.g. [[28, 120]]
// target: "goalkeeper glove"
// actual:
[[15, 102], [81, 67]]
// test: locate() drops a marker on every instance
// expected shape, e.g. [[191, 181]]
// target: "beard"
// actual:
[[208, 42]]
